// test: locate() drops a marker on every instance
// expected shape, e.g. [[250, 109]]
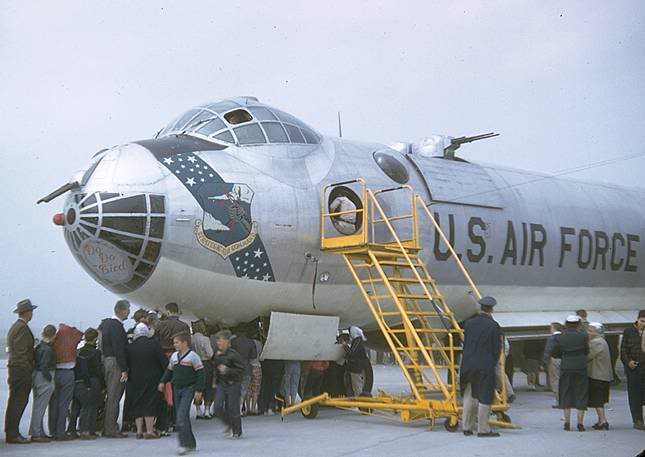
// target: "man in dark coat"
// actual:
[[113, 347], [229, 369], [169, 327], [20, 342], [482, 346], [633, 359]]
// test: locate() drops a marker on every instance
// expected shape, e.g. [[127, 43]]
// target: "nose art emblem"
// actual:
[[227, 227]]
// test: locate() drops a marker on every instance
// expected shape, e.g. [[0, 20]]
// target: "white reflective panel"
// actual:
[[294, 134], [225, 136], [222, 106], [275, 132], [262, 114], [249, 134], [212, 126]]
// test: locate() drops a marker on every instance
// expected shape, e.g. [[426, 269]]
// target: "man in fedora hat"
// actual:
[[20, 342], [481, 351]]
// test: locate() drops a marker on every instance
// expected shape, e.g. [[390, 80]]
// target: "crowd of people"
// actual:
[[152, 375], [163, 368], [579, 366]]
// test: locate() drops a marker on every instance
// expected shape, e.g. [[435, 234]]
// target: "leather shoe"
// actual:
[[468, 433], [17, 440], [116, 435], [40, 439], [488, 435], [638, 425]]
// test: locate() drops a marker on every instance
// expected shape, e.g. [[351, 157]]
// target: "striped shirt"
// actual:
[[184, 370]]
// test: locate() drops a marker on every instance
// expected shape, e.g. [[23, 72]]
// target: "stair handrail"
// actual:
[[418, 341], [449, 245]]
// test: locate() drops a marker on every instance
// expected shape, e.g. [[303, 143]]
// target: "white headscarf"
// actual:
[[141, 330], [356, 332]]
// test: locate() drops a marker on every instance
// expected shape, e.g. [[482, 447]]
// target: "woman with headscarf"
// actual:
[[599, 372], [357, 361], [147, 364]]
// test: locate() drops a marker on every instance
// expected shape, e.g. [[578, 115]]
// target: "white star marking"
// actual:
[[246, 254], [191, 159], [237, 258], [180, 159], [183, 166], [264, 264], [190, 182], [177, 171], [210, 175], [168, 161], [192, 169], [266, 277], [258, 253], [202, 180]]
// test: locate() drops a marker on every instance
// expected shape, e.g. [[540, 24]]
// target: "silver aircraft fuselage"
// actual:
[[219, 218]]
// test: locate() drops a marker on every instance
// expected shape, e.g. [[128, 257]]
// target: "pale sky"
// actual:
[[563, 82]]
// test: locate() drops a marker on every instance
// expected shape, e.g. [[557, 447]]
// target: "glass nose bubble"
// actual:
[[117, 237]]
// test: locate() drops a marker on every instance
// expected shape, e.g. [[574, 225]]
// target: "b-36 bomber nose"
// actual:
[[114, 221]]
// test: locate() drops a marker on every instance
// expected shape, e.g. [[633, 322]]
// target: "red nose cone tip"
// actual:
[[58, 219]]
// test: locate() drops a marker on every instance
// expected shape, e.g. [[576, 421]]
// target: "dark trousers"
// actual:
[[60, 401], [270, 388], [87, 399], [314, 383], [636, 391], [183, 399], [227, 405], [19, 388]]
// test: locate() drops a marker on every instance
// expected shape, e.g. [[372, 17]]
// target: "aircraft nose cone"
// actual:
[[117, 236]]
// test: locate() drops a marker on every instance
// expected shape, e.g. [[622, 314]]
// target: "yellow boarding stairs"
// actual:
[[382, 253]]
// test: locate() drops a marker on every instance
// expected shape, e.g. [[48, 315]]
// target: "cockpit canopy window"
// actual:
[[248, 124]]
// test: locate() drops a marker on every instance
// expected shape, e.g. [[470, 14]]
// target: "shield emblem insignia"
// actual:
[[226, 226]]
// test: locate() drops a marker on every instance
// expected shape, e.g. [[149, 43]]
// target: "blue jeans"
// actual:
[[183, 398], [291, 380], [60, 401], [227, 405]]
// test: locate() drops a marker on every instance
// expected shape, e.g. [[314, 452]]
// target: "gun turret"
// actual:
[[455, 143]]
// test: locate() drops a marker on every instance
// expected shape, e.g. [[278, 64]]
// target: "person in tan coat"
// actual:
[[599, 372], [22, 360]]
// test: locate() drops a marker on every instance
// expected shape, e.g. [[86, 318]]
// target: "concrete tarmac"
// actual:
[[343, 433]]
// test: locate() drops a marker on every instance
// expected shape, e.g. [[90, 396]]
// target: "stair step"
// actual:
[[404, 280], [426, 330], [399, 263], [416, 313]]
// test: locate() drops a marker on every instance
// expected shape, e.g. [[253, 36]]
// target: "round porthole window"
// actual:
[[392, 167]]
